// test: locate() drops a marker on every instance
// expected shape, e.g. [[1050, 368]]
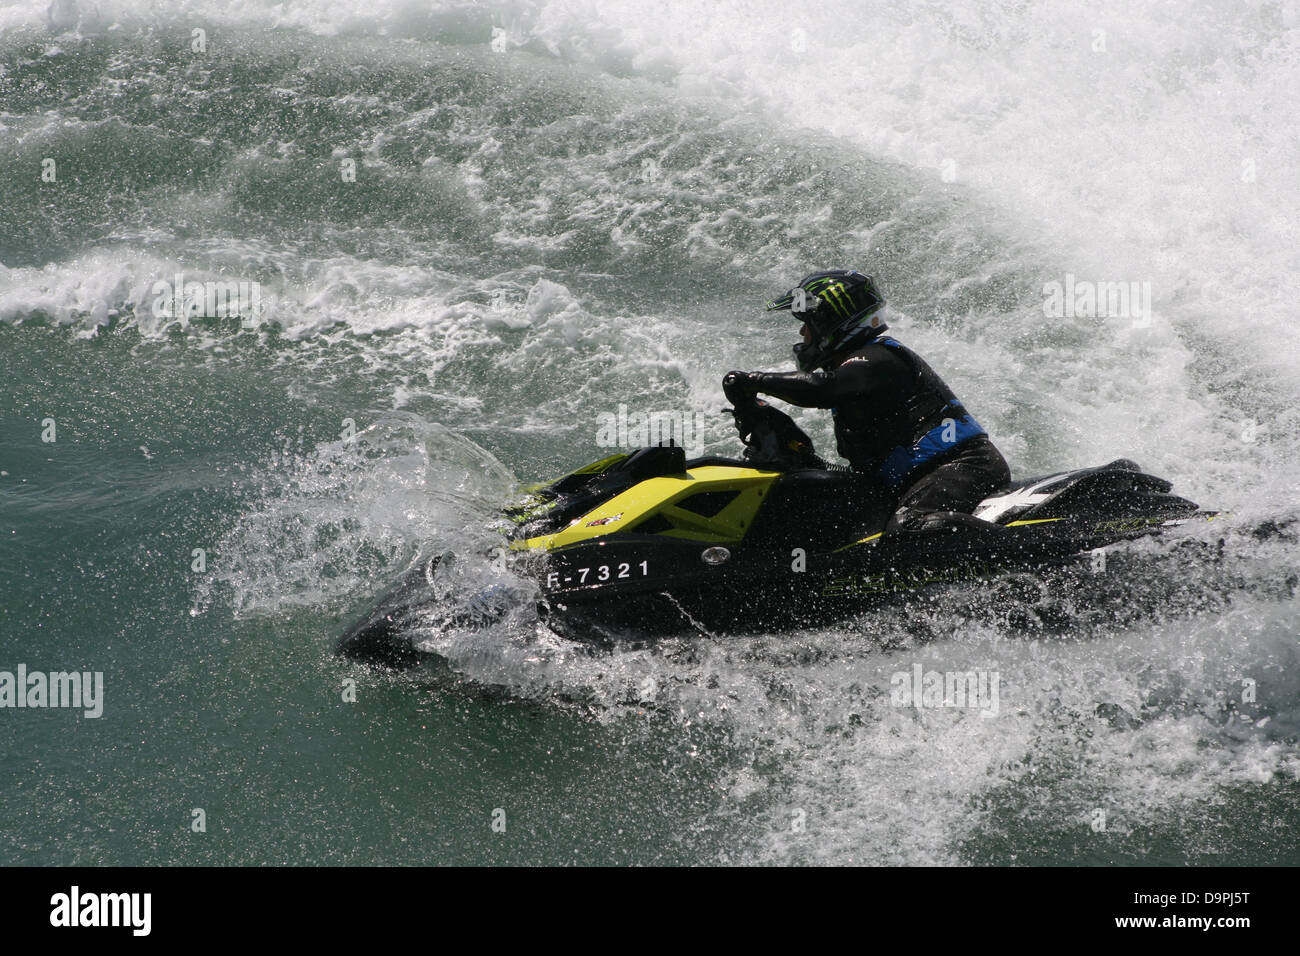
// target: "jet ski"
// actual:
[[648, 543]]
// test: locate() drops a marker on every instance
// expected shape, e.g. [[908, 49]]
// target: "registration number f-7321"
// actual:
[[598, 574]]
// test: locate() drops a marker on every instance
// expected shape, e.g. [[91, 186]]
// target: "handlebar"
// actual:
[[769, 435]]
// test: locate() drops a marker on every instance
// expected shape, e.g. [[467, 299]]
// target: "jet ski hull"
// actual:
[[630, 549]]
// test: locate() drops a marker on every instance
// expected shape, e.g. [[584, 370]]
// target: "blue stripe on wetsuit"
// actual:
[[905, 459]]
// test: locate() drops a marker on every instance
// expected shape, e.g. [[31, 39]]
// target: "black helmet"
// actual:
[[842, 309]]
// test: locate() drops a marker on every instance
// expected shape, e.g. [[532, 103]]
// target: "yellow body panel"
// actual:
[[854, 544], [657, 496]]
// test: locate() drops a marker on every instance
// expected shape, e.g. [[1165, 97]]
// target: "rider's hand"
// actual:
[[738, 386]]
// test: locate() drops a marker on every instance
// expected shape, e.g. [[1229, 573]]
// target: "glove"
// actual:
[[739, 387]]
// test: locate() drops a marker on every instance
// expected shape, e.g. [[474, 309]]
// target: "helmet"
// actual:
[[842, 309]]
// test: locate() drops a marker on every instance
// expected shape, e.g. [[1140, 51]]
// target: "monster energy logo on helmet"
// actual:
[[842, 310]]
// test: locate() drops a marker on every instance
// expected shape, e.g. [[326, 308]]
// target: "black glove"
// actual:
[[739, 387]]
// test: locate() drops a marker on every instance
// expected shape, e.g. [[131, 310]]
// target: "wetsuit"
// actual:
[[896, 419]]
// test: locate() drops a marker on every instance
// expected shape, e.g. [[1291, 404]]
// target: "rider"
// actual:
[[894, 417]]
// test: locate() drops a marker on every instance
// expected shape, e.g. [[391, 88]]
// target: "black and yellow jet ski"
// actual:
[[648, 542]]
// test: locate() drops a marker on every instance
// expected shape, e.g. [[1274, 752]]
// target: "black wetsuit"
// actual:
[[896, 419]]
